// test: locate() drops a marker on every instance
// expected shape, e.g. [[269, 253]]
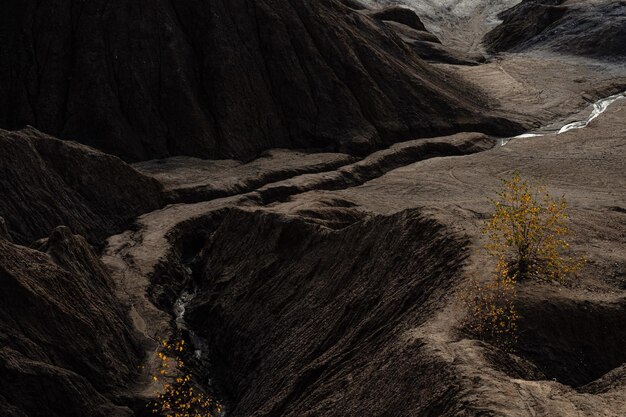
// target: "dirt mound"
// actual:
[[309, 313], [46, 182], [222, 79], [596, 29], [67, 347]]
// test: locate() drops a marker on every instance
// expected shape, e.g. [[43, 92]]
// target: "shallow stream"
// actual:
[[593, 111]]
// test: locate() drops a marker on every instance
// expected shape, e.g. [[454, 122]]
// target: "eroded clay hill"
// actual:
[[46, 182], [590, 28], [67, 346], [150, 79], [320, 281]]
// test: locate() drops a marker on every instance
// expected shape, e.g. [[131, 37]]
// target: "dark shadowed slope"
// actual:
[[299, 331], [67, 348], [46, 182], [590, 28], [227, 78]]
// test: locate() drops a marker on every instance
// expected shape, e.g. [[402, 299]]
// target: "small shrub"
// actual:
[[178, 397], [492, 315], [527, 233]]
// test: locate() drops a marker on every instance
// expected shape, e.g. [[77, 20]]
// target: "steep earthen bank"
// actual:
[[313, 321], [149, 264], [570, 357], [68, 345], [571, 340], [68, 348], [291, 253], [283, 253]]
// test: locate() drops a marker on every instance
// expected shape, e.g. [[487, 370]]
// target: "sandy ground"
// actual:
[[538, 88]]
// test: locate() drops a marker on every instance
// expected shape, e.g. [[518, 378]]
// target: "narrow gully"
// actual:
[[201, 366]]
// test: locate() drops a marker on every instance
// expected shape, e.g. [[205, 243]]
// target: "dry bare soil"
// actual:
[[323, 267]]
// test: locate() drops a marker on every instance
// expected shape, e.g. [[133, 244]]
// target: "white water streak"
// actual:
[[599, 107]]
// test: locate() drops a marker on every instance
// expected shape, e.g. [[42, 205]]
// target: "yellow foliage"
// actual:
[[178, 397], [527, 233], [492, 315]]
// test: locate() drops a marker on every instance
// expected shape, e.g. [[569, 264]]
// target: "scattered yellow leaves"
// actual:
[[178, 397]]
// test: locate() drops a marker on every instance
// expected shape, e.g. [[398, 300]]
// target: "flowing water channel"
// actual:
[[200, 346], [595, 110]]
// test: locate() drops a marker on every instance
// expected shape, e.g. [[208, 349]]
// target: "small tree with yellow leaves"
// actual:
[[527, 233], [178, 396]]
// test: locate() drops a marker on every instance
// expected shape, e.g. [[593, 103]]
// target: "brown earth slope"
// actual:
[[149, 79], [46, 182], [571, 352], [67, 348], [309, 322], [317, 283]]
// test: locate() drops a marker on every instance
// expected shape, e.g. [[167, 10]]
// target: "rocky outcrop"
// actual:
[[67, 347], [46, 182], [596, 29], [150, 79]]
